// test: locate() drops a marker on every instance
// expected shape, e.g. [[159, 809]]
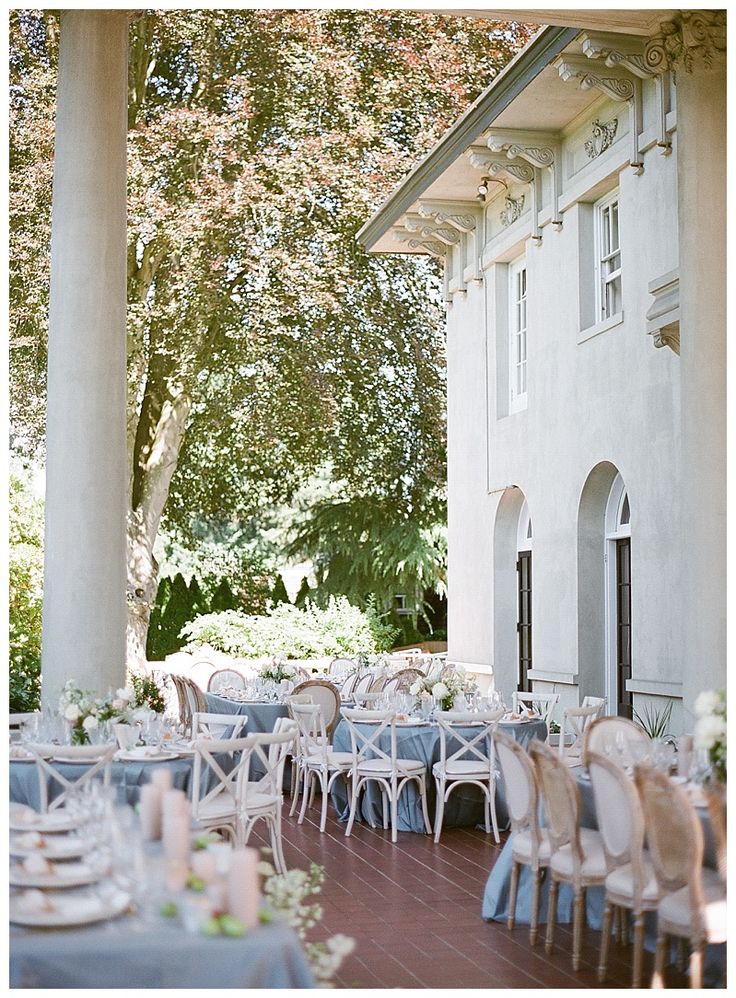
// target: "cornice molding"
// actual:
[[691, 36]]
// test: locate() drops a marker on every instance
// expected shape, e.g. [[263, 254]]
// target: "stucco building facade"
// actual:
[[578, 208]]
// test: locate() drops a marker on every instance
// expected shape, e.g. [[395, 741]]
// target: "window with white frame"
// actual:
[[517, 335], [608, 257]]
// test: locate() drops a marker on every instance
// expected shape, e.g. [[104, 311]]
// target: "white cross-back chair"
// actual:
[[372, 762], [530, 842], [599, 702], [630, 882], [577, 855], [575, 720], [544, 703], [98, 758], [693, 898], [218, 726], [466, 758], [215, 802], [295, 698], [317, 760], [261, 798]]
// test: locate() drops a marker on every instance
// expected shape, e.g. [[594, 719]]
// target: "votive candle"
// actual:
[[150, 812], [176, 833]]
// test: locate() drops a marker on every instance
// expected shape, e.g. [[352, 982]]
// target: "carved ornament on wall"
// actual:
[[602, 138], [513, 209]]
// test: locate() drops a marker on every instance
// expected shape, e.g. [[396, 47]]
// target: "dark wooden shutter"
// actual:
[[524, 624], [623, 624]]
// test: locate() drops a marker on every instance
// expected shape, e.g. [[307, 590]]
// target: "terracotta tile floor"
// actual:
[[414, 909]]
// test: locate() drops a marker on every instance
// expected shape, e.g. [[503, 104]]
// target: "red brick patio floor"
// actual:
[[414, 909]]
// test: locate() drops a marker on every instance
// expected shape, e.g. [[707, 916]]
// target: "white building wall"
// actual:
[[612, 398]]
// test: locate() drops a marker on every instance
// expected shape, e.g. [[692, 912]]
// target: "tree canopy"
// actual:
[[263, 342]]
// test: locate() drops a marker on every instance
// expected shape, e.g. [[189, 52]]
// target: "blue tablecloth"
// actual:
[[128, 777], [261, 716], [128, 952], [465, 804]]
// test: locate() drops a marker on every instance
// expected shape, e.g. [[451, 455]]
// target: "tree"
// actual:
[[25, 577], [279, 593], [261, 339]]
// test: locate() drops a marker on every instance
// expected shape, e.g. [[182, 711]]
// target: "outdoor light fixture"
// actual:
[[483, 188]]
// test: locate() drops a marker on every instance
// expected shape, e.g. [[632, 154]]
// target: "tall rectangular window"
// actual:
[[517, 336], [608, 257]]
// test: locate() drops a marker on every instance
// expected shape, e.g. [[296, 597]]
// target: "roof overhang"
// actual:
[[508, 85]]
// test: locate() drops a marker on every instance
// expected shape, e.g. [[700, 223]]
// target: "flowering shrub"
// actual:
[[452, 684], [313, 632], [710, 728], [286, 894]]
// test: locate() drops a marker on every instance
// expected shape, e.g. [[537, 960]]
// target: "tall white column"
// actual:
[[84, 610], [701, 177]]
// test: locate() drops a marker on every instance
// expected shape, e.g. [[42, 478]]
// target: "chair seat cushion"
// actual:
[[522, 847], [594, 863], [457, 769], [620, 882], [380, 767], [336, 760], [222, 806], [675, 912]]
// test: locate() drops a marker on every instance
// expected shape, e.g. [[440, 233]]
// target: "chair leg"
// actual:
[[305, 793], [681, 954], [394, 811], [696, 964], [513, 894], [295, 780], [551, 914], [439, 810], [638, 948], [492, 808], [536, 885], [605, 940], [577, 936], [353, 805], [659, 956], [384, 808], [425, 812], [323, 817]]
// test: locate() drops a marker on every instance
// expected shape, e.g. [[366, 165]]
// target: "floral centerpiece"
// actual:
[[277, 670], [453, 683], [710, 729], [85, 712]]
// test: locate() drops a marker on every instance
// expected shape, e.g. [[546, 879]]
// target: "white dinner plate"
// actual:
[[68, 909], [64, 875], [20, 754], [54, 847], [25, 819], [138, 756], [411, 722]]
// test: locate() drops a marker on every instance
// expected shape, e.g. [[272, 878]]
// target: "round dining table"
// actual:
[[262, 716], [422, 742]]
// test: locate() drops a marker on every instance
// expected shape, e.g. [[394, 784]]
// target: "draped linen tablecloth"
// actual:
[[261, 716], [128, 777], [465, 804], [128, 953]]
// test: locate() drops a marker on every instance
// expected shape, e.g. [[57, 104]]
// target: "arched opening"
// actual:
[[512, 568], [592, 585], [618, 598]]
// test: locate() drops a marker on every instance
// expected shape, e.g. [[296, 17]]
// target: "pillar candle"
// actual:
[[243, 893], [174, 802], [177, 871], [176, 832], [162, 779], [150, 812], [204, 865], [684, 755], [222, 851]]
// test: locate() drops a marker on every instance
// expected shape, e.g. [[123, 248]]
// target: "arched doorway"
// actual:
[[618, 598]]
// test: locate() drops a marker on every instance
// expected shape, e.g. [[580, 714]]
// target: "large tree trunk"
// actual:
[[153, 471]]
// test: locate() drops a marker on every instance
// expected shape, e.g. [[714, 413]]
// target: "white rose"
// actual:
[[72, 712], [709, 730], [119, 704], [706, 703], [416, 687], [440, 691], [89, 723]]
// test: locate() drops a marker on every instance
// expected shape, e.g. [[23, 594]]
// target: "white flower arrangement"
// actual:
[[286, 895], [80, 709], [276, 670], [710, 728], [454, 683]]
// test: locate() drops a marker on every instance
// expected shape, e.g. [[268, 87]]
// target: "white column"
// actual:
[[701, 177], [84, 610]]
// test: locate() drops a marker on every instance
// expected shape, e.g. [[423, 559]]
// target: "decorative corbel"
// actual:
[[434, 248], [495, 167], [466, 217], [445, 233], [663, 317], [692, 35], [616, 83], [630, 53], [541, 151]]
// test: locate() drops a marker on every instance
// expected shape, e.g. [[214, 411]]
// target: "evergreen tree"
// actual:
[[279, 593], [303, 593]]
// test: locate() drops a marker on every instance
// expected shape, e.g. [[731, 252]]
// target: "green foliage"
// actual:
[[279, 593], [25, 572], [303, 595], [223, 598], [656, 722], [149, 692], [312, 632]]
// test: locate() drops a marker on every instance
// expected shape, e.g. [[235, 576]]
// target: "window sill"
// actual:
[[600, 327], [517, 406]]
